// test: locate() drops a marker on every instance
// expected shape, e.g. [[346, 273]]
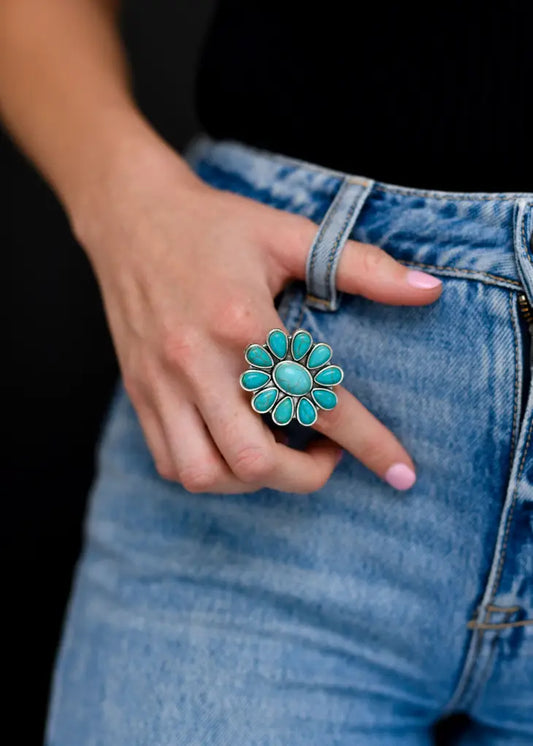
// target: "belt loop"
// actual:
[[329, 242]]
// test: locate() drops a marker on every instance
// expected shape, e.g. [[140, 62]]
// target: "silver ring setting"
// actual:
[[290, 376]]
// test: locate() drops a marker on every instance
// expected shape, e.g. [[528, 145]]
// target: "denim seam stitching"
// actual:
[[456, 270], [501, 625], [452, 196], [358, 179], [510, 517], [516, 381], [493, 609], [459, 270], [477, 686], [382, 187], [466, 674], [489, 610], [316, 299], [334, 249]]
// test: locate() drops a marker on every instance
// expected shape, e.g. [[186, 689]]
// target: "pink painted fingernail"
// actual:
[[422, 279], [400, 476], [339, 455]]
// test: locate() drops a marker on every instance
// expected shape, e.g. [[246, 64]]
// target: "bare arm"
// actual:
[[64, 89], [150, 227]]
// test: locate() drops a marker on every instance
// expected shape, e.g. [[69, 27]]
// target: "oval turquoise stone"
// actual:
[[324, 398], [257, 355], [264, 399], [301, 342], [277, 341], [320, 354], [254, 379], [306, 412], [292, 378], [283, 411], [329, 376]]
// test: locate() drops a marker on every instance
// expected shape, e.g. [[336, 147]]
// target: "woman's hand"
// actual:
[[188, 275]]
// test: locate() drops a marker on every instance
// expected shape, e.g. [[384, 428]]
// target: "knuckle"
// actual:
[[197, 479], [180, 347], [235, 321], [253, 464], [373, 258], [166, 471]]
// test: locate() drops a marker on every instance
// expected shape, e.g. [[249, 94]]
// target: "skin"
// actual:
[[188, 273]]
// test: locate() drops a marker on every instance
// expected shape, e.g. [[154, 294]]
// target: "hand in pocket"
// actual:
[[188, 275]]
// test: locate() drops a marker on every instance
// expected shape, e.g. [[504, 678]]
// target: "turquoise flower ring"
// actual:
[[291, 377]]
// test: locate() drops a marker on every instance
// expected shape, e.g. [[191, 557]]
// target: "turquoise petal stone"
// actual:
[[283, 411], [301, 342], [306, 412], [257, 355], [320, 354], [254, 379], [330, 376], [264, 400], [325, 398], [278, 343], [292, 378]]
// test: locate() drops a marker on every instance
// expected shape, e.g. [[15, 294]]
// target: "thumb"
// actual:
[[367, 270]]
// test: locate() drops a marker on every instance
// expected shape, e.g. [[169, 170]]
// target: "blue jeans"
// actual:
[[357, 614]]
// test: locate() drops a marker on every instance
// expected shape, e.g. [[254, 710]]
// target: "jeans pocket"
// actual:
[[443, 377]]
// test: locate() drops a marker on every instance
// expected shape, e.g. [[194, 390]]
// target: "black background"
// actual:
[[58, 365], [59, 368]]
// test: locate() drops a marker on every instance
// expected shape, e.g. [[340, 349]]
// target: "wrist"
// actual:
[[127, 152]]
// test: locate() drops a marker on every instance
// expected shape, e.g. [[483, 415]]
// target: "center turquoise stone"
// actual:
[[292, 378]]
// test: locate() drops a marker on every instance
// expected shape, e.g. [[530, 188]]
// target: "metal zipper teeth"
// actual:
[[527, 312], [525, 308]]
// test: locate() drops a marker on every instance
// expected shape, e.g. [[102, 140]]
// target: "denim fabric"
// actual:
[[358, 614], [325, 252]]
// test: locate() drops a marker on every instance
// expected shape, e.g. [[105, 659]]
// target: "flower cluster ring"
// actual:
[[290, 376]]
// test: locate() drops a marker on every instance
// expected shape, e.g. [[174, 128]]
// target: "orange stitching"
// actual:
[[310, 296], [502, 609], [502, 625]]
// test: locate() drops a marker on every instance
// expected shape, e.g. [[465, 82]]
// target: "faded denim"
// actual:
[[356, 615]]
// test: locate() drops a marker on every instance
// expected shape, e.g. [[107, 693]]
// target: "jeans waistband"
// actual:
[[480, 234]]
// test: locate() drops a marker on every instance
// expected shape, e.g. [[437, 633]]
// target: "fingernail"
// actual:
[[422, 279], [400, 476], [339, 455]]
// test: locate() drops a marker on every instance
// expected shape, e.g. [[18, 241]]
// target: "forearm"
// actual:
[[65, 93]]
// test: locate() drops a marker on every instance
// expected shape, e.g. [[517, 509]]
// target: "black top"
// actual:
[[437, 98]]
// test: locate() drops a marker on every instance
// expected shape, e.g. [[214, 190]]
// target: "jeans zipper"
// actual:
[[527, 314]]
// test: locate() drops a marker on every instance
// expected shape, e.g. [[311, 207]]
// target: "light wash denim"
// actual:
[[358, 614]]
